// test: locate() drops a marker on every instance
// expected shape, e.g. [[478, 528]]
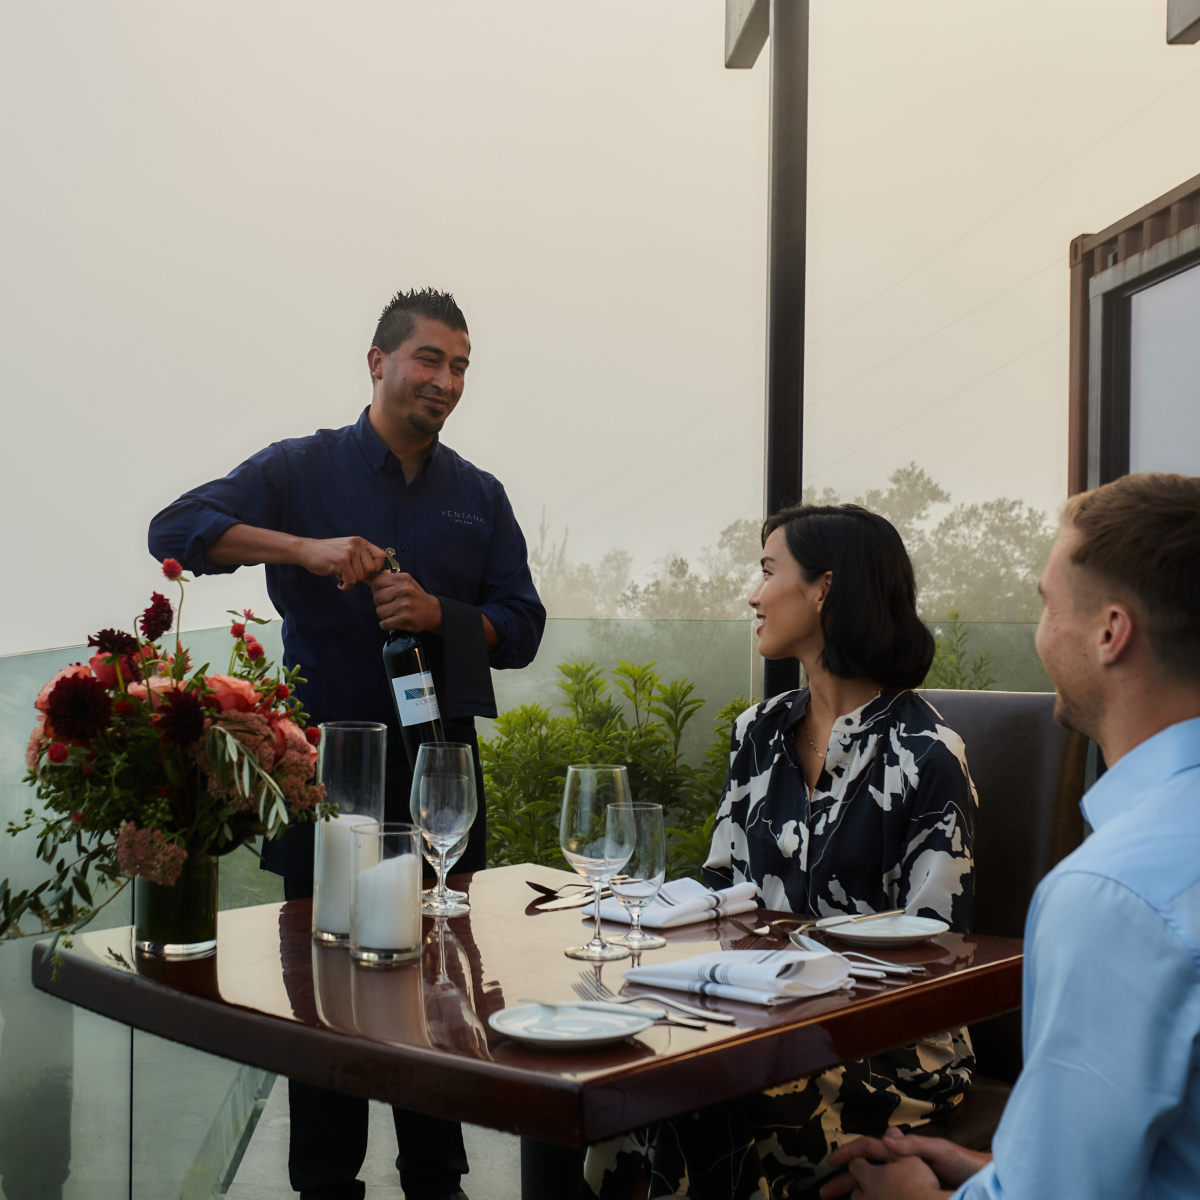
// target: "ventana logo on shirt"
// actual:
[[467, 519]]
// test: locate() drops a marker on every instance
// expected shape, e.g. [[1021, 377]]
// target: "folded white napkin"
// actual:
[[755, 976], [681, 902]]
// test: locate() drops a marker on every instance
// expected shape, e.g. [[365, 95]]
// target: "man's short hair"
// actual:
[[1140, 534], [399, 318]]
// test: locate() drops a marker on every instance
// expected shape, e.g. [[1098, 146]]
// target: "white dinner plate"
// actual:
[[890, 931], [568, 1026]]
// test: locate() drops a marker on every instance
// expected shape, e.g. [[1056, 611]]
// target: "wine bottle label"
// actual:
[[415, 699]]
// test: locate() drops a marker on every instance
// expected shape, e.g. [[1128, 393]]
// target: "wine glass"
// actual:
[[596, 836], [443, 804], [643, 875], [452, 856]]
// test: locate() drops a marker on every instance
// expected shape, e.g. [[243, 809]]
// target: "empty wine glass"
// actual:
[[596, 836], [642, 877], [452, 856], [443, 804]]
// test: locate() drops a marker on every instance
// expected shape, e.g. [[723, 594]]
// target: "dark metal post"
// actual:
[[786, 235]]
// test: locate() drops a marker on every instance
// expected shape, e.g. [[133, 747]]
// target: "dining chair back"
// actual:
[[1028, 773]]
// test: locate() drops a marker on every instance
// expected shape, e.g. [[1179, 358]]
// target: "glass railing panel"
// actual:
[[64, 1072]]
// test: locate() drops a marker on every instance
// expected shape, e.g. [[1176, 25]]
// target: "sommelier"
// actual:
[[318, 511]]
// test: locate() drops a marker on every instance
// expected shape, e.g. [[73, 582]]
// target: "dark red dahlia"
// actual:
[[156, 620], [171, 568], [124, 708], [180, 719], [79, 708], [113, 641]]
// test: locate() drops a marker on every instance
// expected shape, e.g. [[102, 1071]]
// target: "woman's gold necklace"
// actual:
[[818, 755]]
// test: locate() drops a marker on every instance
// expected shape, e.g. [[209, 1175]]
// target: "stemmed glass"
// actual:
[[452, 856], [643, 876], [596, 836], [443, 804]]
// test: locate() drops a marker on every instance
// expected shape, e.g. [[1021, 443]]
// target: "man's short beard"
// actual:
[[424, 425]]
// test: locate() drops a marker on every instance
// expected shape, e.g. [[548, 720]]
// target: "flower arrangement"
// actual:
[[140, 761]]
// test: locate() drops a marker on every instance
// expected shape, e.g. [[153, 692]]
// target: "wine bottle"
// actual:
[[407, 667]]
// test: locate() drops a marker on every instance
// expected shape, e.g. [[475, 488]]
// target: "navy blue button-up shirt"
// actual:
[[453, 529]]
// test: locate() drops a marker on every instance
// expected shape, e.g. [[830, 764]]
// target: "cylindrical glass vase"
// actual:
[[385, 894], [351, 764], [179, 921]]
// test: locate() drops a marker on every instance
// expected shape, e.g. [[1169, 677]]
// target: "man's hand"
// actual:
[[401, 603], [352, 559], [944, 1165], [904, 1179]]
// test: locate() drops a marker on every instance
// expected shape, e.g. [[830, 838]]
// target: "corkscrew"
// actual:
[[390, 554]]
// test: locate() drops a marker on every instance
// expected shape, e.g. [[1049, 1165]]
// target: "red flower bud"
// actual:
[[254, 650], [237, 630], [124, 708], [282, 692], [248, 613], [313, 735], [57, 753], [77, 817], [171, 568]]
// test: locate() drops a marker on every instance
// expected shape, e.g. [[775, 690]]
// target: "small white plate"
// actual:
[[567, 1025], [890, 931]]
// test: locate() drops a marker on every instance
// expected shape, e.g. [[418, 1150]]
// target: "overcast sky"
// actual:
[[206, 205]]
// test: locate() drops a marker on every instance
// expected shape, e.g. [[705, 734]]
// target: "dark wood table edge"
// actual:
[[563, 1111]]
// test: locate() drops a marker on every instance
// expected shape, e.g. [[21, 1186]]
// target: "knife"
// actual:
[[574, 901]]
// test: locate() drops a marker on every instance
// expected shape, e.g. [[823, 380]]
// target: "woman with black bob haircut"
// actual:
[[849, 795]]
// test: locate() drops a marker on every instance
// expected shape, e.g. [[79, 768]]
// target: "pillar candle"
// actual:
[[387, 904], [333, 880]]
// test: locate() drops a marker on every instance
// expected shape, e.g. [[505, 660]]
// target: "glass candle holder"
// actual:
[[385, 894], [350, 764]]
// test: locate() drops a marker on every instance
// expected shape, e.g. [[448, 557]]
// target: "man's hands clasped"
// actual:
[[902, 1167]]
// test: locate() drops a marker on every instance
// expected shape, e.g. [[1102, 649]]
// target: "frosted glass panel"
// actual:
[[1164, 376]]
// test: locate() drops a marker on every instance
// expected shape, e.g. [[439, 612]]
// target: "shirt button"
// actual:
[[849, 720], [403, 499], [403, 549]]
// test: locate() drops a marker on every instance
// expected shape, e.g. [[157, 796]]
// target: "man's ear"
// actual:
[[375, 358], [1116, 633]]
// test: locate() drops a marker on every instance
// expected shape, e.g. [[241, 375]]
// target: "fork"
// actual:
[[584, 993], [601, 991]]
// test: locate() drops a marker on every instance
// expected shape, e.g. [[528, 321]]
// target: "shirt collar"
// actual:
[[861, 718], [1142, 770], [375, 449]]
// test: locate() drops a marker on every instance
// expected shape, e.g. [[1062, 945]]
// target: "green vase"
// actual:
[[179, 921]]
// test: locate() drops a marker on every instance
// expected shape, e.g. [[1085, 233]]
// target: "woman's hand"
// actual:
[[946, 1165]]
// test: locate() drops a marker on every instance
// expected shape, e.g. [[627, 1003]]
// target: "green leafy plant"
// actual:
[[526, 762], [951, 667]]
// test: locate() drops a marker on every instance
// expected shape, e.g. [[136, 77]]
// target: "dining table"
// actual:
[[417, 1035]]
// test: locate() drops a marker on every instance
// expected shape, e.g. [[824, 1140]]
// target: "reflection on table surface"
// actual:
[[504, 951]]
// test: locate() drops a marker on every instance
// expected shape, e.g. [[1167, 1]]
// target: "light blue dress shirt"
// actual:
[[1108, 1104]]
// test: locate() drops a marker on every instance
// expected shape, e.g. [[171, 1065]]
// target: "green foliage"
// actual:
[[525, 763], [951, 668]]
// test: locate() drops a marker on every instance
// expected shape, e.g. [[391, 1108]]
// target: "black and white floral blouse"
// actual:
[[889, 824]]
